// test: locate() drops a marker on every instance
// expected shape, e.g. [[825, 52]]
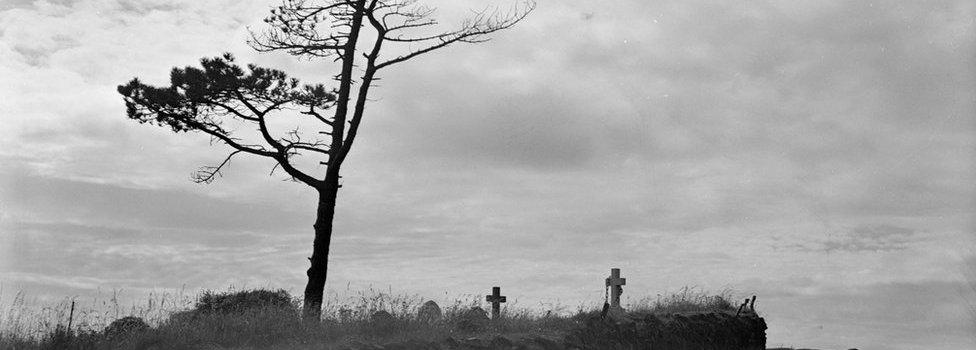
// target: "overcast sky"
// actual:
[[818, 154]]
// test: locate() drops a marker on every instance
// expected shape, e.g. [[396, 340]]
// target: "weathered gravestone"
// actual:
[[429, 312], [472, 320], [615, 283], [495, 298]]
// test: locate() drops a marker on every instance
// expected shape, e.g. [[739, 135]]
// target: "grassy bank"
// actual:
[[205, 321]]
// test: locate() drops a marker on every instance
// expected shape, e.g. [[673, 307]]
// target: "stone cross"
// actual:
[[495, 298], [616, 287]]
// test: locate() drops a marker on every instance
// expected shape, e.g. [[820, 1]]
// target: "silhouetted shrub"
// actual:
[[237, 302]]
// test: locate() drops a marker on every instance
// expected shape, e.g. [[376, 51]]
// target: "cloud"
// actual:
[[774, 105], [872, 238], [893, 315], [56, 199], [538, 129]]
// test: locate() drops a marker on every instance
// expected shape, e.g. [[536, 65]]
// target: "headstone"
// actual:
[[473, 319], [429, 312], [495, 298], [616, 288]]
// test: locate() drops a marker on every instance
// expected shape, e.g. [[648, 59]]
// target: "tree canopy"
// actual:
[[201, 99]]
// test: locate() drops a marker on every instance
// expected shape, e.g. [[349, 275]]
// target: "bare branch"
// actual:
[[232, 110], [262, 125], [474, 30], [362, 96], [309, 147], [207, 174], [312, 112], [283, 159], [211, 129]]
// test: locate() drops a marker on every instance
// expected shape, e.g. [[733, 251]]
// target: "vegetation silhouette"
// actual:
[[262, 319]]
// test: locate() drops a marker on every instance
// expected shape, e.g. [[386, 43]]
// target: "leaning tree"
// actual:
[[243, 107]]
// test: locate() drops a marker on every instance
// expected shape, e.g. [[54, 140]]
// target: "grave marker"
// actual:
[[616, 287], [429, 312], [495, 298]]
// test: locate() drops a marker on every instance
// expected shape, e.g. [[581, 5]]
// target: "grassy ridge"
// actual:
[[177, 322]]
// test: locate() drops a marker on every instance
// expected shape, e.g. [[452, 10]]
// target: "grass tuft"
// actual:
[[686, 300]]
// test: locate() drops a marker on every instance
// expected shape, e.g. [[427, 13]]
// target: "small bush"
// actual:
[[237, 302]]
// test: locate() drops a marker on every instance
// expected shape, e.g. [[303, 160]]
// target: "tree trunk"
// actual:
[[312, 309]]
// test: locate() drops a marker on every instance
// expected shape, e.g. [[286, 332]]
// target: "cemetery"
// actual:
[[511, 174], [266, 319]]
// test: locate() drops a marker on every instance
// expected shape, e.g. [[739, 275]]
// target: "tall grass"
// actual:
[[686, 300], [31, 319], [346, 320]]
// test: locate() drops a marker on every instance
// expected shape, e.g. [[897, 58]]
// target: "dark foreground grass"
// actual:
[[265, 319]]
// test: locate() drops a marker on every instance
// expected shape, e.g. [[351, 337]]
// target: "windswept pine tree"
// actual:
[[353, 34]]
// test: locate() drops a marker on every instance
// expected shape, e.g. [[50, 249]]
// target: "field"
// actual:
[[246, 320]]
